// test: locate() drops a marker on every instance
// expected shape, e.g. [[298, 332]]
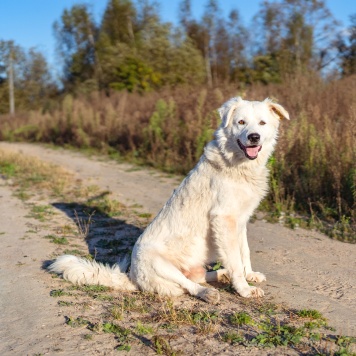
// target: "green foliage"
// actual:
[[77, 322], [241, 318], [7, 169], [143, 329], [233, 338], [310, 313], [57, 240], [58, 293], [278, 335], [134, 75]]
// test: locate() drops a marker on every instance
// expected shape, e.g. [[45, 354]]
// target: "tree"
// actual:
[[33, 84], [347, 49], [298, 34], [11, 59], [76, 34], [118, 22]]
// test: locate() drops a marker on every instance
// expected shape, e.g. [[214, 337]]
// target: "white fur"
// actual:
[[205, 218]]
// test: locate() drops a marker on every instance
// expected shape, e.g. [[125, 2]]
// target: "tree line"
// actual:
[[130, 48]]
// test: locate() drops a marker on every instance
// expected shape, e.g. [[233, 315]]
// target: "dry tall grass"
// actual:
[[313, 169]]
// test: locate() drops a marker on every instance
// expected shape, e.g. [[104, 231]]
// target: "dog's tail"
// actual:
[[81, 271]]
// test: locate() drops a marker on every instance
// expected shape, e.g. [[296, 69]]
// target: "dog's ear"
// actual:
[[277, 109], [226, 111]]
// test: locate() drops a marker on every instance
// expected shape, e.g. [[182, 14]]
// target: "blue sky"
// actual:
[[29, 22]]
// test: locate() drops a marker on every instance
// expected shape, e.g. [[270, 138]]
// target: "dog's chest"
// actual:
[[242, 192]]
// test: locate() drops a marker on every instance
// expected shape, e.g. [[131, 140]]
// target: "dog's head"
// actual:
[[249, 127]]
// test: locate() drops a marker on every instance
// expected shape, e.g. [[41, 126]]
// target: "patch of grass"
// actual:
[[57, 240], [58, 293], [7, 169], [94, 289], [41, 212], [22, 195], [77, 322], [32, 173], [162, 346], [63, 303], [142, 329], [278, 335], [241, 318], [74, 252], [110, 244], [310, 313], [145, 215], [117, 312], [104, 205], [233, 338], [103, 297]]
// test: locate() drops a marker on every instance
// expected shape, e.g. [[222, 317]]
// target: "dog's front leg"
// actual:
[[246, 260], [225, 229]]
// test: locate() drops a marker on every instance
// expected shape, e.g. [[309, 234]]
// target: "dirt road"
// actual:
[[304, 269]]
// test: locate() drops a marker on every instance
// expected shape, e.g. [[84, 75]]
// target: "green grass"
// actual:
[[58, 293], [57, 240], [241, 318], [41, 212], [142, 329]]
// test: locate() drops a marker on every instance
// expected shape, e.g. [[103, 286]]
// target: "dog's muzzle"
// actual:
[[251, 152]]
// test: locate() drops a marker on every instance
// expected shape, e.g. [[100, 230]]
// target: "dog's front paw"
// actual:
[[210, 295], [255, 277], [251, 292]]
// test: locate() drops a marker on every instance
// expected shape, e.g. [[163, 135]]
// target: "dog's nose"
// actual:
[[254, 137]]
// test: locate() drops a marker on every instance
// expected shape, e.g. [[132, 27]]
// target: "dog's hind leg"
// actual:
[[170, 273], [221, 275]]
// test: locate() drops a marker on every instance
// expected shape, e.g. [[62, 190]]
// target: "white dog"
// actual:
[[205, 218]]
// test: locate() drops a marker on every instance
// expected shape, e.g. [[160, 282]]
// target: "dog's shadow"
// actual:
[[108, 238]]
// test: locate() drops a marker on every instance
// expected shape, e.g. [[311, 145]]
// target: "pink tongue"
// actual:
[[253, 151]]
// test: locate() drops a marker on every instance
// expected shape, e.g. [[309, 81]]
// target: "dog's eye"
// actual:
[[241, 122], [262, 122]]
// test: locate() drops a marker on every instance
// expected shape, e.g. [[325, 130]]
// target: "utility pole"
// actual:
[[11, 86]]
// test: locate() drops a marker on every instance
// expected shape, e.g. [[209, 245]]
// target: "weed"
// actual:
[[41, 212], [23, 195], [145, 215], [143, 329], [83, 225], [73, 252], [104, 298], [233, 338], [7, 169], [162, 346], [278, 335], [58, 293], [104, 205], [124, 347], [241, 318], [63, 303], [76, 322], [117, 312], [60, 241], [310, 313]]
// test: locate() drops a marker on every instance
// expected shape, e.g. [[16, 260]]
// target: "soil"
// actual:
[[305, 269]]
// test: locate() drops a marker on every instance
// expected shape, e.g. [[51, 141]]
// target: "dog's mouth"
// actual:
[[251, 152]]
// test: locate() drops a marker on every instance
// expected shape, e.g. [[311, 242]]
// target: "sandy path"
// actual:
[[30, 320], [305, 269]]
